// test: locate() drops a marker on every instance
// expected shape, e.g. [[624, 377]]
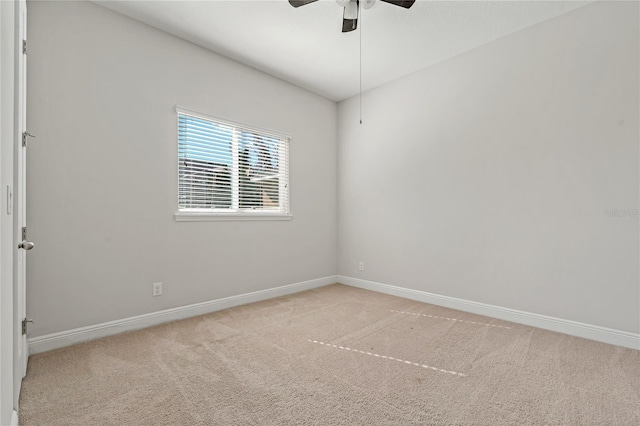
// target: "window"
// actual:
[[227, 170]]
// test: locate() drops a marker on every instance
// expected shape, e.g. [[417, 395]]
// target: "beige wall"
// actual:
[[489, 177], [102, 172]]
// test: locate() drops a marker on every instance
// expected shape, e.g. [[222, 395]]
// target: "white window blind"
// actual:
[[228, 168]]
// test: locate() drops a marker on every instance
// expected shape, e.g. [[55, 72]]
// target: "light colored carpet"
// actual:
[[335, 356]]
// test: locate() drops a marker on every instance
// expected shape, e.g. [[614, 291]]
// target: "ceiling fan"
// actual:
[[351, 9]]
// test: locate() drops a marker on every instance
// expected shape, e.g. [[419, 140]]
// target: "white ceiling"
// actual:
[[305, 45]]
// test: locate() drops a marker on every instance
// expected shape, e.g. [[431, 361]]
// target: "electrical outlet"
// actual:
[[361, 265], [157, 289]]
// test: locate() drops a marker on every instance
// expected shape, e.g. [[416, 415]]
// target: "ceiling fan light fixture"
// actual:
[[343, 3]]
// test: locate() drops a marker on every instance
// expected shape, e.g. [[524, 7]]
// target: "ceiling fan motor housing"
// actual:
[[367, 4]]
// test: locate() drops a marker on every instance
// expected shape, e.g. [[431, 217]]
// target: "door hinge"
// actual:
[[24, 233], [24, 47], [26, 135], [24, 324]]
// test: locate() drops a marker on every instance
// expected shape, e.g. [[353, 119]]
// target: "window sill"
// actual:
[[218, 217]]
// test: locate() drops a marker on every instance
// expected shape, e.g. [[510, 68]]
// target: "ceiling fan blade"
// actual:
[[402, 3], [298, 3]]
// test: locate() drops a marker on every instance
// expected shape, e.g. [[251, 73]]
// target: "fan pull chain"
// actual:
[[360, 19]]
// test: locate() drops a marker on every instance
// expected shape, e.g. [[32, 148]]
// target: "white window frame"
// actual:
[[185, 215]]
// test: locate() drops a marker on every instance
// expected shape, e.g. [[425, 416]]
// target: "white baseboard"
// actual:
[[14, 418], [573, 328], [70, 337]]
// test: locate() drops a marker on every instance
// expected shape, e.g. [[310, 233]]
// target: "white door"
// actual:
[[23, 244]]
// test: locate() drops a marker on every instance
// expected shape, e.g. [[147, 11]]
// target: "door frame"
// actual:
[[21, 348], [8, 158]]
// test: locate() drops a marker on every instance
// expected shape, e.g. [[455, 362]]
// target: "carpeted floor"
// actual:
[[335, 356]]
